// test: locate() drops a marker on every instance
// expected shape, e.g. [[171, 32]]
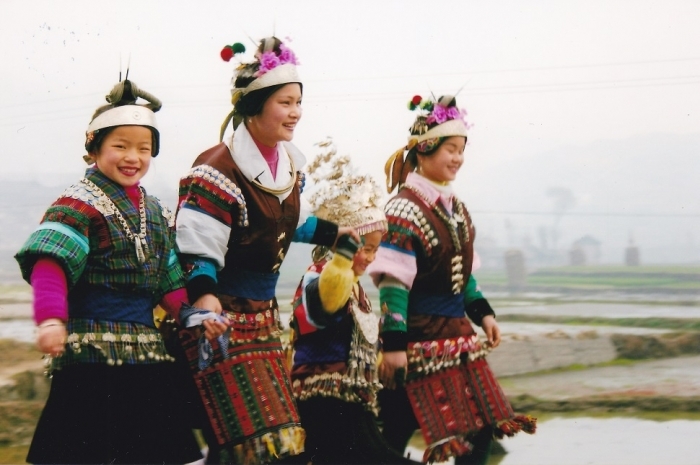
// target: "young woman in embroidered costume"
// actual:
[[433, 367], [101, 260], [240, 208], [334, 331]]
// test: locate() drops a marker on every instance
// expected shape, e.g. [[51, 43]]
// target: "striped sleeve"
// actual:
[[210, 205], [62, 235], [393, 272], [316, 231]]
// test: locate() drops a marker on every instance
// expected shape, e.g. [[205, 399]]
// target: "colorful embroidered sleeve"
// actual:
[[316, 231], [309, 313], [394, 270], [393, 302], [173, 278], [62, 235], [210, 206], [476, 305]]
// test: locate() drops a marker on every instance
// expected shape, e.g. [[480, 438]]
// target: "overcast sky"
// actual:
[[537, 77]]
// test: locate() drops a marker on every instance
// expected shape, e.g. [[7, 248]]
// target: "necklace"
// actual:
[[284, 189], [139, 239], [457, 224], [454, 224]]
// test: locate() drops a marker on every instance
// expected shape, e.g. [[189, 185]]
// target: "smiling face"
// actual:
[[125, 154], [367, 253], [445, 162], [280, 114]]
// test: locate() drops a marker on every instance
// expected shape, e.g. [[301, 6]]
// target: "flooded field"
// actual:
[[584, 440], [605, 441], [573, 366]]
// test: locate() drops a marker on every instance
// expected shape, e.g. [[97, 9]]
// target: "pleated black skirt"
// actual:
[[129, 414]]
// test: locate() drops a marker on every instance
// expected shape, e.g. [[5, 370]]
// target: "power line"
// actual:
[[589, 214], [407, 76], [17, 206], [492, 90]]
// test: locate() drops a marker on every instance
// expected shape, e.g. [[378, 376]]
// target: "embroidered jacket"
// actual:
[[111, 295], [233, 235], [334, 354], [426, 257]]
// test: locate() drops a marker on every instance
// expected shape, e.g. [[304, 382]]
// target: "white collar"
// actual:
[[250, 161]]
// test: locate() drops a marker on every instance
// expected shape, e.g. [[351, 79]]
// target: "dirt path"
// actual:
[[671, 377]]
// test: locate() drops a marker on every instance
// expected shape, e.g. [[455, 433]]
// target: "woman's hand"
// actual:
[[393, 366], [212, 328], [493, 332], [208, 302], [51, 337], [342, 230]]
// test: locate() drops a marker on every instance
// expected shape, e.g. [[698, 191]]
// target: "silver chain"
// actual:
[[139, 239]]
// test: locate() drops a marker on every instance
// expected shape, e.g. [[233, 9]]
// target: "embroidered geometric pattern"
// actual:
[[452, 403], [247, 395], [110, 342], [80, 209], [406, 220], [210, 190]]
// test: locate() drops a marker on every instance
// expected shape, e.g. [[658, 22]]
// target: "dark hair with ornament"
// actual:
[[124, 93], [270, 54]]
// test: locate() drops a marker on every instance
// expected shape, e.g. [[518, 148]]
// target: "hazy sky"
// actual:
[[538, 77]]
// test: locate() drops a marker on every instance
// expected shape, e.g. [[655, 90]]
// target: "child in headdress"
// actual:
[[433, 367], [100, 261], [335, 332]]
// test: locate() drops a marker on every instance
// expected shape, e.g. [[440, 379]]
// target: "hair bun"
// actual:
[[448, 101]]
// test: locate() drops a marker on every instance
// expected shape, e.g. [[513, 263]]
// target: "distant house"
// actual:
[[585, 250]]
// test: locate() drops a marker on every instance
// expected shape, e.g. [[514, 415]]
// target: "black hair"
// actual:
[[421, 126], [252, 103], [128, 96], [100, 135]]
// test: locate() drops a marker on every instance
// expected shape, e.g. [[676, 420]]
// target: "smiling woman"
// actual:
[[433, 367], [240, 209]]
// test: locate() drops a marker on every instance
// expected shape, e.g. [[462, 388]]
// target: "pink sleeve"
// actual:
[[172, 301], [50, 290]]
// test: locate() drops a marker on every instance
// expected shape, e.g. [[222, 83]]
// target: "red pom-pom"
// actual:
[[416, 99], [227, 53]]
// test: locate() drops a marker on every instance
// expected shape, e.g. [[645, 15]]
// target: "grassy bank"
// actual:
[[678, 324], [641, 279]]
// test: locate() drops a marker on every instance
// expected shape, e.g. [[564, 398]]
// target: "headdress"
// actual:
[[124, 111], [275, 63], [435, 121], [343, 196]]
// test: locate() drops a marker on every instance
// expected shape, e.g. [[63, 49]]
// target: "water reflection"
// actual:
[[607, 441]]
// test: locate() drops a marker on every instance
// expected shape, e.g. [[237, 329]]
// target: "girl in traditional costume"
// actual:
[[433, 368], [335, 333], [240, 208], [101, 260]]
